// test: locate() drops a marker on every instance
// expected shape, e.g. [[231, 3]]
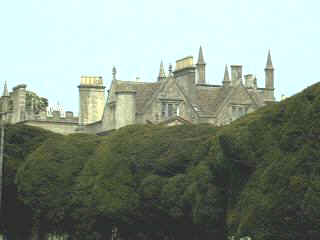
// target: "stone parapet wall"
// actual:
[[57, 127]]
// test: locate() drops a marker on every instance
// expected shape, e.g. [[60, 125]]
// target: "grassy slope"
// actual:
[[281, 196]]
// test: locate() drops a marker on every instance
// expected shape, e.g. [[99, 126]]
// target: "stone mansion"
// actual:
[[180, 96]]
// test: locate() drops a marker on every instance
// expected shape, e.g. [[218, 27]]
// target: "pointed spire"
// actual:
[[269, 61], [5, 90], [162, 74], [226, 77], [200, 57], [114, 73]]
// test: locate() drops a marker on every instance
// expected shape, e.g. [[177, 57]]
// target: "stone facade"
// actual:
[[180, 96], [23, 106]]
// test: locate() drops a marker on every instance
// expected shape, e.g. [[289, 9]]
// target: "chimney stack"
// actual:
[[236, 74]]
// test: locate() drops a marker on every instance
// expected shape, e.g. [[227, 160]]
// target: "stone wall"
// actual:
[[125, 109], [64, 128]]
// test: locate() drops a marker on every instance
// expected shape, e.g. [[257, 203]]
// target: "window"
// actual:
[[163, 109], [169, 109]]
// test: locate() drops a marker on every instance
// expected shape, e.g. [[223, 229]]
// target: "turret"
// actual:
[[19, 103], [269, 73], [226, 79], [269, 80], [125, 109], [162, 74], [5, 90], [201, 68], [5, 101], [92, 99], [114, 73]]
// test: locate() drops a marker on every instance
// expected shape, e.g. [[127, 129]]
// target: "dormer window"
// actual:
[[169, 109]]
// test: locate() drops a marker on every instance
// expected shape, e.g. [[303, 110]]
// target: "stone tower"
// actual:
[[5, 102], [5, 96], [19, 103], [201, 68], [269, 79], [269, 73], [92, 99], [125, 109]]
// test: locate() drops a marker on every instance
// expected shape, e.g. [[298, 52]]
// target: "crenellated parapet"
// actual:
[[94, 81]]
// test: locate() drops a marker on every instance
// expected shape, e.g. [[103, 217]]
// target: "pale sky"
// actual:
[[49, 44]]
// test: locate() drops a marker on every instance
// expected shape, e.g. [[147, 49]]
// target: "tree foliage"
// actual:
[[258, 177]]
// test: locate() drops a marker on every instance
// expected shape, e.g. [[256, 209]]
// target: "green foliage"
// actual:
[[140, 176], [47, 178], [20, 140], [258, 176], [282, 143], [35, 103]]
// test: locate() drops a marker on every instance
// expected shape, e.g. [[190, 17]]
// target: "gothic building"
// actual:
[[180, 96]]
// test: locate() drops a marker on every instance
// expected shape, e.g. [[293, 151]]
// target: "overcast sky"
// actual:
[[49, 44]]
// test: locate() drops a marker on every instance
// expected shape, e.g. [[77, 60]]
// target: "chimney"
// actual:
[[56, 115], [69, 115], [185, 74], [249, 80], [236, 74]]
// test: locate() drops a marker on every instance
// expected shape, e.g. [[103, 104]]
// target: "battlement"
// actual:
[[91, 80]]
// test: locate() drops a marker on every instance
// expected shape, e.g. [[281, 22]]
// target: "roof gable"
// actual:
[[237, 95], [240, 94], [168, 90]]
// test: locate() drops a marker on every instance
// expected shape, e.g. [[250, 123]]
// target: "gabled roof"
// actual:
[[160, 89], [210, 98], [232, 92], [144, 91], [209, 101]]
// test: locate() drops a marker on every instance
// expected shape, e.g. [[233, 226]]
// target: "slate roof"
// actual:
[[144, 91], [210, 98]]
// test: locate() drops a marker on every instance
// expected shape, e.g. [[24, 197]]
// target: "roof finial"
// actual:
[[5, 90], [162, 73], [114, 73], [200, 57], [170, 70], [269, 61]]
